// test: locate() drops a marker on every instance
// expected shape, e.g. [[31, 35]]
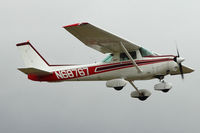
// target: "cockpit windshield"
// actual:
[[145, 52]]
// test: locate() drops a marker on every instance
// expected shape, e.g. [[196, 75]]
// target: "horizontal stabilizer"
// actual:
[[185, 71], [33, 71]]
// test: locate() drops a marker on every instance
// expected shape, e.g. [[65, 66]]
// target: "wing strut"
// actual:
[[129, 56]]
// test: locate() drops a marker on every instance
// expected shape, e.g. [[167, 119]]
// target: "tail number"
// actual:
[[72, 73]]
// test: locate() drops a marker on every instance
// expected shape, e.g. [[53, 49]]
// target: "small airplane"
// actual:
[[125, 63]]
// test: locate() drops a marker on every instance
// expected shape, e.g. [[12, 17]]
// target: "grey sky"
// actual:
[[27, 106]]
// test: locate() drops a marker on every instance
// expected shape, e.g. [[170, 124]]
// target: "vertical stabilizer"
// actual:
[[31, 57]]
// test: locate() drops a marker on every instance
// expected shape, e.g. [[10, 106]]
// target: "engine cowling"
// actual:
[[118, 84]]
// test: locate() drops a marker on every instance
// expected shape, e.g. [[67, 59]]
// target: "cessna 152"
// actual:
[[126, 62]]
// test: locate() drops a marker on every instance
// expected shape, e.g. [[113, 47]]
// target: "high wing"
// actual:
[[99, 39]]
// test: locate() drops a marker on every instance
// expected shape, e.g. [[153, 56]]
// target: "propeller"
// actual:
[[179, 60]]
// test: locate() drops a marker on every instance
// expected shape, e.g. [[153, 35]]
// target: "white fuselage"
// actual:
[[151, 67]]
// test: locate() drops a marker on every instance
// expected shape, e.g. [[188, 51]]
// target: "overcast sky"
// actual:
[[74, 107]]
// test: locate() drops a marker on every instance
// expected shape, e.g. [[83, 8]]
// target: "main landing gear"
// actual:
[[140, 94], [163, 86]]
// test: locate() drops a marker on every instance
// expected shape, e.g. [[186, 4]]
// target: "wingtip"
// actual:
[[192, 70], [76, 24]]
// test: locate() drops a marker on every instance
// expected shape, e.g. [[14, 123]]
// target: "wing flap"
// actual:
[[99, 39], [34, 71]]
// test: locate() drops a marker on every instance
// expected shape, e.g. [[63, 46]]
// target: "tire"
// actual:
[[142, 98], [118, 88], [165, 90]]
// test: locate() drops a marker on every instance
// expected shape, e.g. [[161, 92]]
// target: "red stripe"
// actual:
[[77, 24], [24, 43], [160, 56], [139, 63]]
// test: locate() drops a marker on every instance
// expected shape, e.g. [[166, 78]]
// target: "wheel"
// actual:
[[142, 97], [118, 88], [165, 90]]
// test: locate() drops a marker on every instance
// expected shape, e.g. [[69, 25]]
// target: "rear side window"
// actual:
[[108, 58]]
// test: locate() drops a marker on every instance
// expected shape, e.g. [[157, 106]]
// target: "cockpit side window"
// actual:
[[124, 57], [145, 52]]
